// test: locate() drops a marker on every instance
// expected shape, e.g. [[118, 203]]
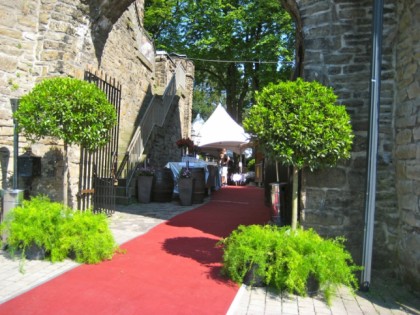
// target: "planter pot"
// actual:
[[312, 286], [144, 188], [35, 252], [186, 188], [252, 279]]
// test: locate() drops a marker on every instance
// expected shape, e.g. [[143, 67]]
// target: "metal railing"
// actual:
[[155, 115]]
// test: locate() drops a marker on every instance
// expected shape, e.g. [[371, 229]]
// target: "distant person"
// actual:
[[224, 163]]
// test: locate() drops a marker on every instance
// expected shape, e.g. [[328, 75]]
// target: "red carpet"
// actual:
[[173, 269]]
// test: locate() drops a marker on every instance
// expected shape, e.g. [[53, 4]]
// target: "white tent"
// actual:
[[221, 131], [196, 126]]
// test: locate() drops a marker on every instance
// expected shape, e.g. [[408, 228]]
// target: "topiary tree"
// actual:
[[70, 109], [299, 124]]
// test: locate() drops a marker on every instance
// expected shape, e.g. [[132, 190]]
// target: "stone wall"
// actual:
[[44, 38], [163, 148], [337, 48], [407, 140]]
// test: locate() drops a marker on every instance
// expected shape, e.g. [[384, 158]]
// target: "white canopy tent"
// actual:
[[220, 131], [196, 125]]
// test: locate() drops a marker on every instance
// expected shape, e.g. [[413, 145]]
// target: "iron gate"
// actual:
[[97, 169]]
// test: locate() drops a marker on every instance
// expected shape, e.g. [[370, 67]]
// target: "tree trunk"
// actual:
[[65, 175], [295, 198]]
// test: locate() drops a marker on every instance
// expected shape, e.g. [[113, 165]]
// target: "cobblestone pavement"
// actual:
[[128, 222]]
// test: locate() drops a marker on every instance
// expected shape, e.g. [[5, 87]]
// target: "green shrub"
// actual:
[[88, 237], [35, 222], [285, 259], [59, 230]]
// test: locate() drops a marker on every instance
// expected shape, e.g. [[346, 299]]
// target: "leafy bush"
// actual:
[[34, 223], [88, 237], [59, 230], [286, 259]]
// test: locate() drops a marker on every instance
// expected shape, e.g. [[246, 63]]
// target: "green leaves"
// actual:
[[226, 30], [59, 230], [300, 124], [285, 259], [75, 111]]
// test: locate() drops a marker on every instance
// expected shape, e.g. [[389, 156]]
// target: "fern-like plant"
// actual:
[[87, 237], [59, 230], [34, 223], [286, 259]]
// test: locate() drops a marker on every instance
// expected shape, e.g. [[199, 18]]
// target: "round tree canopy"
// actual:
[[73, 110], [300, 124]]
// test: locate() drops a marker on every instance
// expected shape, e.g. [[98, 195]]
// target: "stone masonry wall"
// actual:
[[45, 38], [407, 141], [337, 43], [163, 148], [337, 50]]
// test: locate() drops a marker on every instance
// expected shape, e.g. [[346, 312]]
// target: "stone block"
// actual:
[[10, 33], [8, 64], [405, 187], [408, 202], [345, 200], [327, 178], [413, 170], [405, 109], [413, 90], [404, 136], [323, 218], [407, 151], [360, 143], [416, 133], [356, 180]]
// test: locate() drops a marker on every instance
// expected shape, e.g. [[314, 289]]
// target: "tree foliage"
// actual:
[[231, 32], [69, 109], [75, 111], [300, 124]]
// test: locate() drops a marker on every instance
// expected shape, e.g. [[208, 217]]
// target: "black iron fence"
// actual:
[[97, 169]]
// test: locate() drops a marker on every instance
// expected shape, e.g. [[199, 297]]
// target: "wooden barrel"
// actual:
[[198, 175], [163, 185]]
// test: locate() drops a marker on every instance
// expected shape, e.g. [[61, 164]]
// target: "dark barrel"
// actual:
[[199, 184], [163, 185]]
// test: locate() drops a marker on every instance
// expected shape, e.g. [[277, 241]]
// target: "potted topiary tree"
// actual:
[[300, 124], [73, 110]]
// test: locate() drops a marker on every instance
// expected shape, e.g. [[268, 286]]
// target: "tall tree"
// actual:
[[238, 46]]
